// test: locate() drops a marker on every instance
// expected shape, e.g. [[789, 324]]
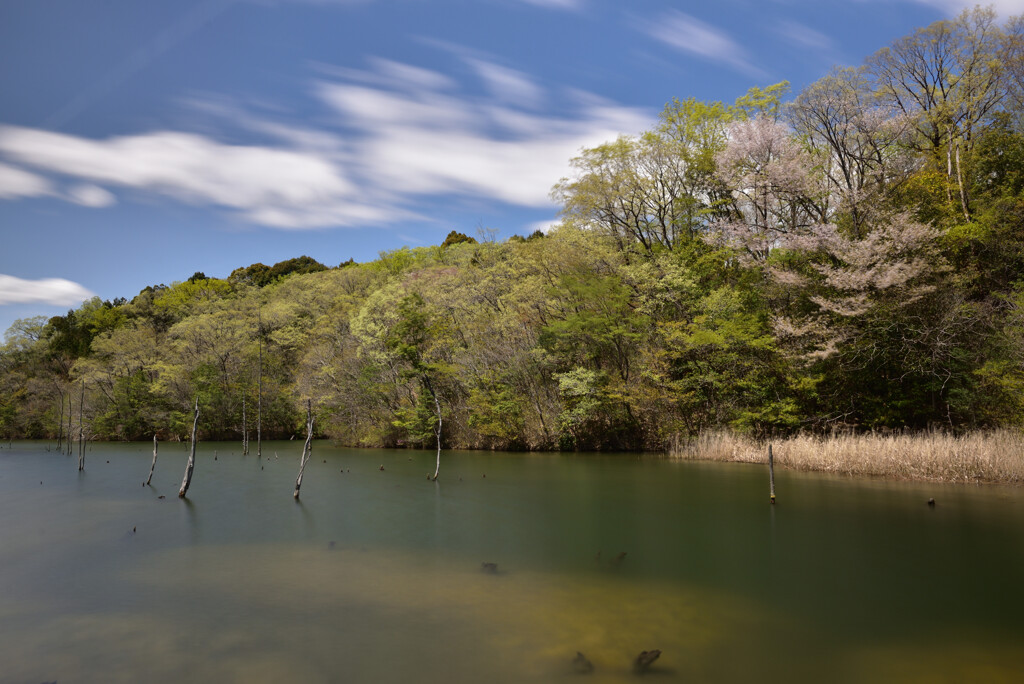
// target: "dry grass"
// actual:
[[994, 457]]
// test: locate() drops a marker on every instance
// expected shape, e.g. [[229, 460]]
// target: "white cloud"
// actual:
[[689, 34], [1005, 8], [278, 187], [432, 143], [543, 226], [556, 4], [508, 85], [89, 195], [804, 35], [56, 291], [399, 134], [15, 182]]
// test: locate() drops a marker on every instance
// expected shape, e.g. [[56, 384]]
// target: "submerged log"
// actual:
[[152, 466], [644, 661], [187, 480], [581, 665], [307, 450]]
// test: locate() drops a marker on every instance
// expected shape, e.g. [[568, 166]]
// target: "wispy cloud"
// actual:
[[15, 182], [276, 187], [543, 226], [556, 4], [435, 143], [399, 134], [56, 291], [689, 34], [804, 36], [508, 85], [88, 195], [1004, 7]]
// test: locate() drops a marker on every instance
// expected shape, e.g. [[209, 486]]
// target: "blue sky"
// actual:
[[143, 141]]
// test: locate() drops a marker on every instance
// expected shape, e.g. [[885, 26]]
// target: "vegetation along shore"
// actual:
[[995, 457], [849, 259]]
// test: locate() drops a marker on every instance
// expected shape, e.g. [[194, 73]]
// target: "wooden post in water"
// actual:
[[60, 423], [771, 472], [81, 430], [71, 440], [245, 430], [187, 480], [259, 390], [437, 430], [152, 466], [307, 449]]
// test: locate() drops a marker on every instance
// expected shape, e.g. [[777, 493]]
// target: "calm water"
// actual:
[[376, 576]]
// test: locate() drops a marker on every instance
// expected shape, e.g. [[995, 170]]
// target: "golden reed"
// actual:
[[994, 456]]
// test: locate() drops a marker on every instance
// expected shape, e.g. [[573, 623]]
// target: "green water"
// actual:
[[376, 575]]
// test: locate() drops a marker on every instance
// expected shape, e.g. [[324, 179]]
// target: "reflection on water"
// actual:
[[376, 575]]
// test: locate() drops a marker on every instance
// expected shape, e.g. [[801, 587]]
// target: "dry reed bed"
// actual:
[[993, 457]]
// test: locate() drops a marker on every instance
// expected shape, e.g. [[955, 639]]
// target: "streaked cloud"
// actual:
[[689, 34], [389, 137], [805, 36], [556, 4], [56, 291], [432, 143], [543, 226], [89, 195], [15, 182], [1005, 8], [508, 85], [277, 187]]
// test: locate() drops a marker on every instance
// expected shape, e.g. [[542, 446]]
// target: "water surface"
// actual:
[[376, 575]]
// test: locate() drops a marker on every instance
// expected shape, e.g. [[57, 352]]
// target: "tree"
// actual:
[[858, 143], [947, 77]]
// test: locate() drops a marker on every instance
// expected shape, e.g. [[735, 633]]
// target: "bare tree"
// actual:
[[187, 480], [437, 427], [948, 77], [152, 466], [245, 430], [81, 429], [307, 448], [259, 387]]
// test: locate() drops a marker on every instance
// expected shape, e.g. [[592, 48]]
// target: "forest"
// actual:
[[845, 258]]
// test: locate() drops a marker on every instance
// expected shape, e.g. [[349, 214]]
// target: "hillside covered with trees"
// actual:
[[851, 257]]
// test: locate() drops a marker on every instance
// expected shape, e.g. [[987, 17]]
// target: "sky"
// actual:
[[141, 142]]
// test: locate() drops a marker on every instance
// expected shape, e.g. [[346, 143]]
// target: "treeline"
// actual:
[[852, 258]]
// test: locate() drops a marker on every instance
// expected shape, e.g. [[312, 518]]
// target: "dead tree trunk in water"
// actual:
[[81, 430], [71, 440], [437, 428], [187, 480], [60, 423], [152, 466], [307, 449], [259, 391], [245, 430], [771, 473]]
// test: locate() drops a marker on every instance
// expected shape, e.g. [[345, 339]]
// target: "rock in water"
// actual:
[[645, 660], [581, 665], [490, 568]]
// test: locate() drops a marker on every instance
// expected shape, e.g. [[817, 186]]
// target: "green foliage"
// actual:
[[262, 275], [456, 237]]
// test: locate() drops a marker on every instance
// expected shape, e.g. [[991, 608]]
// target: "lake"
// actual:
[[376, 575]]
